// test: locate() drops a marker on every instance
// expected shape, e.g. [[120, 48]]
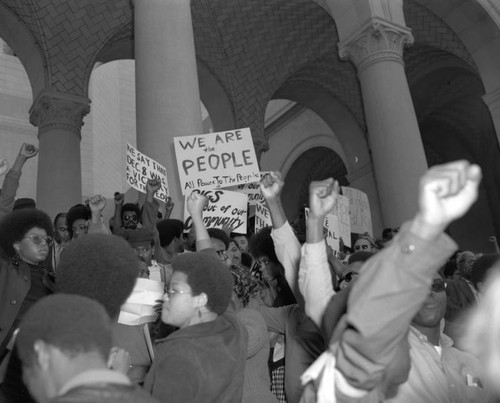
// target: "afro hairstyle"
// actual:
[[15, 225], [77, 212], [206, 273], [131, 207], [169, 229], [261, 244], [219, 234], [101, 267], [72, 323]]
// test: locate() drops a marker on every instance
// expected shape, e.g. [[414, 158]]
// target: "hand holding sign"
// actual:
[[152, 186], [271, 185], [322, 197], [28, 150]]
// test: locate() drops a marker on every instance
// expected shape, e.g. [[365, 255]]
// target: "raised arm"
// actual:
[[96, 205], [286, 244], [394, 283], [11, 180], [118, 198], [315, 280], [196, 202]]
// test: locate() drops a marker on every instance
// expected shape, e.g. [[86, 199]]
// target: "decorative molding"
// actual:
[[261, 145], [361, 172], [56, 110], [492, 99], [375, 41]]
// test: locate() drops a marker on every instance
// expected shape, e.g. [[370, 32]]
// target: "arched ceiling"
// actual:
[[252, 47]]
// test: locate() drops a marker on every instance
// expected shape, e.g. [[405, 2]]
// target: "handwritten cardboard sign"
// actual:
[[252, 190], [139, 307], [216, 160], [225, 209], [141, 168], [262, 217], [341, 211], [359, 207], [331, 230]]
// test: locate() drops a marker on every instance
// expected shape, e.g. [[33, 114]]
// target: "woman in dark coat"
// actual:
[[25, 240]]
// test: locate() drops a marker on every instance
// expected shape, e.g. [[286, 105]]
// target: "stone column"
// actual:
[[492, 100], [59, 118], [167, 92], [261, 145], [393, 134]]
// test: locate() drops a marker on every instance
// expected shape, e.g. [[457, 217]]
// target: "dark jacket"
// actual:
[[200, 363]]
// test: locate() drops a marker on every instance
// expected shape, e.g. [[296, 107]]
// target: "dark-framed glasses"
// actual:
[[438, 285], [40, 239], [170, 292]]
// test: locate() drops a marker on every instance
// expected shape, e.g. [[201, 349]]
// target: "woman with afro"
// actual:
[[25, 240]]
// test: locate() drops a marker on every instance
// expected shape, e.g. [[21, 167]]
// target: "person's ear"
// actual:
[[201, 300], [17, 246], [42, 353]]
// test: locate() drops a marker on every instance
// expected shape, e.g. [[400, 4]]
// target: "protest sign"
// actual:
[[141, 168], [262, 217], [139, 307], [341, 211], [216, 160], [225, 209], [359, 207], [252, 190], [331, 230]]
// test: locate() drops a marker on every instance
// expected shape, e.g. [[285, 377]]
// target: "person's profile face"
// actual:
[[62, 233], [179, 307]]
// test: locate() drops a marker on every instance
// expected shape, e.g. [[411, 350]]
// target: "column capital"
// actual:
[[56, 110], [376, 40], [492, 99], [261, 145]]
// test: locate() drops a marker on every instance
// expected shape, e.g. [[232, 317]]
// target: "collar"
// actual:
[[94, 376]]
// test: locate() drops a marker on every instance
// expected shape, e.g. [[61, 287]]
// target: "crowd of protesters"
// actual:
[[256, 317]]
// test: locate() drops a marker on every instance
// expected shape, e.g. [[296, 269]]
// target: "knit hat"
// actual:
[[24, 202], [101, 267], [206, 273], [138, 237], [168, 230]]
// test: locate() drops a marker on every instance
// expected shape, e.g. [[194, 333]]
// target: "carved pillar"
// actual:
[[261, 145], [492, 100], [393, 134], [167, 92], [59, 118]]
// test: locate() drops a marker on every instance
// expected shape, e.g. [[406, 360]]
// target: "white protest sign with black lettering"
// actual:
[[225, 209], [332, 231], [359, 207], [341, 211], [216, 160], [141, 168], [262, 217]]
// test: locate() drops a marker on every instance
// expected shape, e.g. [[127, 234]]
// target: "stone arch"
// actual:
[[336, 116], [25, 46], [316, 163]]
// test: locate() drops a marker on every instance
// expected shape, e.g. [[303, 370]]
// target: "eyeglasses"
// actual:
[[130, 217], [222, 254], [438, 285], [263, 262], [171, 292], [39, 240]]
